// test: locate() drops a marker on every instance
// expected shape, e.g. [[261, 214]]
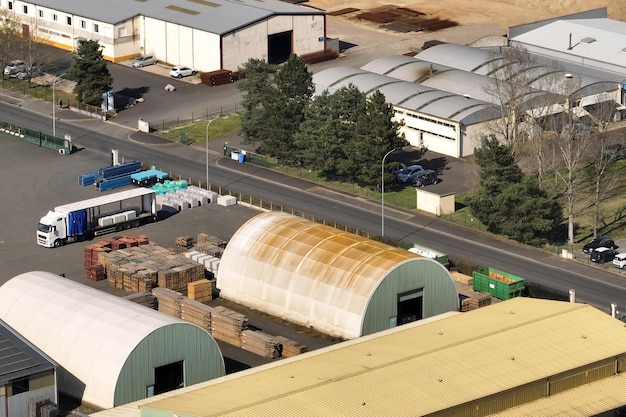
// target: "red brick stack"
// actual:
[[94, 270]]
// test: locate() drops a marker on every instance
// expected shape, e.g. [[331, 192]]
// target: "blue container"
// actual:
[[242, 158]]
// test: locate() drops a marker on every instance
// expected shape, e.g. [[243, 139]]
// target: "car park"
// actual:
[[599, 242], [143, 61], [410, 173], [426, 177], [14, 67], [602, 255], [179, 72], [620, 261]]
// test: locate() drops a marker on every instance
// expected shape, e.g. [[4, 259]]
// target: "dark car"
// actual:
[[602, 255], [599, 242], [424, 178]]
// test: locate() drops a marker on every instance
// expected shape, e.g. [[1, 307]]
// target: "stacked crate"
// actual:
[[260, 343], [184, 241], [168, 301], [219, 77], [200, 291], [227, 325], [476, 301], [94, 269], [211, 240], [289, 347]]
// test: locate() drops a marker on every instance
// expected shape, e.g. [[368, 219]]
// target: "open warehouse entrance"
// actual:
[[279, 47]]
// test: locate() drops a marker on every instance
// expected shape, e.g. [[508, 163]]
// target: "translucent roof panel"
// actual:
[[326, 282]]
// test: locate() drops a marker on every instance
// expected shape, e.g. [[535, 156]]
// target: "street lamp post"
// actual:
[[207, 148], [54, 106], [382, 193]]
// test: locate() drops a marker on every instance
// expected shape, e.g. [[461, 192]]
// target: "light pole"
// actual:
[[207, 148], [54, 106], [382, 192]]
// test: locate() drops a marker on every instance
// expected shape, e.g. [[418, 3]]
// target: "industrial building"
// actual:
[[110, 351], [518, 357], [330, 280], [27, 375], [204, 35]]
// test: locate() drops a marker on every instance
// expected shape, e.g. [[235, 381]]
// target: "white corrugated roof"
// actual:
[[88, 332]]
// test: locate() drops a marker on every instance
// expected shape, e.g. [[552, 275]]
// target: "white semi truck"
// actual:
[[96, 216]]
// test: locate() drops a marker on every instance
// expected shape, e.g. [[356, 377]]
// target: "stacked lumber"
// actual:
[[260, 343], [200, 290], [168, 301], [290, 348], [196, 313], [462, 278], [212, 240], [476, 301], [94, 270], [184, 241], [209, 249], [227, 325], [140, 268], [145, 299], [219, 77]]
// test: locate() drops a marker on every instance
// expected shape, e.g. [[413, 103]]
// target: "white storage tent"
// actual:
[[109, 348], [337, 282]]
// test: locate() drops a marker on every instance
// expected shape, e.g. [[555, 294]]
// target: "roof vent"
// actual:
[[623, 50], [588, 40]]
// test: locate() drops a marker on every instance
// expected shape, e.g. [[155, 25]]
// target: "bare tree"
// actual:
[[10, 30]]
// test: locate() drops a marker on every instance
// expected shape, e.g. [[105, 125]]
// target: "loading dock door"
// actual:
[[279, 47], [168, 377], [410, 306]]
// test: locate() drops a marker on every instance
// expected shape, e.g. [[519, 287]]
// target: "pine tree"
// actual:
[[91, 74]]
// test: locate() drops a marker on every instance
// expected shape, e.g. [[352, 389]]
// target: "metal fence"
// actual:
[[61, 145], [194, 117]]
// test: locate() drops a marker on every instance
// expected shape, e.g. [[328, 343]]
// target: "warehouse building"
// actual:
[[110, 351], [27, 375], [333, 281], [519, 357], [201, 34]]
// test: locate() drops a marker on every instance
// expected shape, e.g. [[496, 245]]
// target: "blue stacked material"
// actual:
[[111, 183], [87, 179], [148, 178], [118, 170]]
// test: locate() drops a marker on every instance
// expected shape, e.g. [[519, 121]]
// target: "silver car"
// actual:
[[14, 67], [143, 61]]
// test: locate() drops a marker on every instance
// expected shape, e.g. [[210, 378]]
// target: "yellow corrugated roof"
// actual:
[[419, 368]]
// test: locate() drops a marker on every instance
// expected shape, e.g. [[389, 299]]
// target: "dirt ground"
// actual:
[[504, 13]]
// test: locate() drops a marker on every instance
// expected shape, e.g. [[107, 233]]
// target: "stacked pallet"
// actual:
[[177, 277], [94, 270], [289, 347], [209, 249], [168, 301], [211, 240], [260, 343], [184, 241], [476, 301], [196, 313], [201, 290], [218, 77], [227, 325]]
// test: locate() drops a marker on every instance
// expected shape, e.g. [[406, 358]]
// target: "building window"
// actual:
[[83, 24], [40, 13], [68, 20], [25, 9], [19, 386], [10, 5], [54, 17], [96, 28]]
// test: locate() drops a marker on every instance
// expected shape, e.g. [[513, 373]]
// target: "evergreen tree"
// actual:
[[91, 74], [257, 86], [510, 203]]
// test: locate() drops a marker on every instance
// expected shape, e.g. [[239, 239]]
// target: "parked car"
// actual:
[[179, 72], [599, 242], [602, 255], [425, 178], [14, 67], [143, 61], [620, 261], [27, 73], [410, 173]]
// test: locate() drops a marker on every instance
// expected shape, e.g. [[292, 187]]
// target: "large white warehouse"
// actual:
[[110, 350]]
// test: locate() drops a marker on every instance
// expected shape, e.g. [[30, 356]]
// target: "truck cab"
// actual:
[[51, 230]]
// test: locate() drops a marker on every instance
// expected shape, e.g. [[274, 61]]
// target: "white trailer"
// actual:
[[96, 216]]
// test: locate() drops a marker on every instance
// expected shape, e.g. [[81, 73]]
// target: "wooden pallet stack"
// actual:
[[168, 301], [184, 241], [476, 301], [94, 269], [219, 77], [196, 313], [227, 325], [212, 240], [290, 348], [260, 343], [201, 290], [209, 249]]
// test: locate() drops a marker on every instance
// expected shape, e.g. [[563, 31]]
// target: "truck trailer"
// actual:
[[96, 216]]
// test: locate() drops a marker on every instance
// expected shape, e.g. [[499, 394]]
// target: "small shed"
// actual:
[[334, 281], [110, 351]]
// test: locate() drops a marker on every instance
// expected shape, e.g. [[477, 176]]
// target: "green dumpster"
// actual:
[[500, 284]]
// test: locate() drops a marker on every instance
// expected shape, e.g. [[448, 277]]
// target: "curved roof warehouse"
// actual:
[[112, 351], [333, 281]]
